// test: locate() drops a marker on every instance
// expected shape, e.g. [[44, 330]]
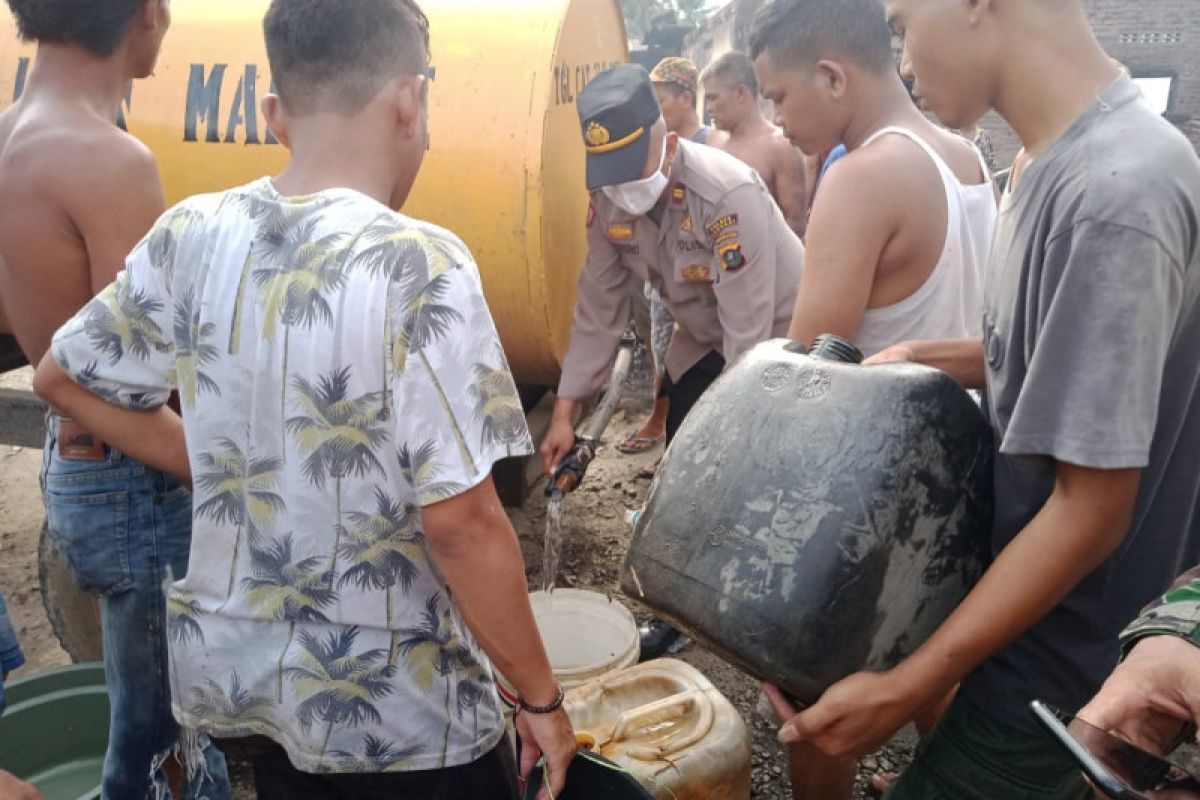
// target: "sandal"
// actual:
[[635, 444]]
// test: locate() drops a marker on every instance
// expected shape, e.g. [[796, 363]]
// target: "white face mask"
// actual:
[[638, 197]]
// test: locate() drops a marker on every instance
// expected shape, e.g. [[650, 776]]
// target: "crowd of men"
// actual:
[[270, 449]]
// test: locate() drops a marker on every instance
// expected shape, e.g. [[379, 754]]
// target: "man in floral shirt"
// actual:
[[353, 576]]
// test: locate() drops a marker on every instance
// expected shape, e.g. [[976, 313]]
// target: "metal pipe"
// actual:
[[594, 426]]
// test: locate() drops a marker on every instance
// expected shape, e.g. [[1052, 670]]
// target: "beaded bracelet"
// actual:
[[550, 708]]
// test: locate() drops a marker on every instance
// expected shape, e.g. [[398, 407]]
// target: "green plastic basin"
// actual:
[[55, 731]]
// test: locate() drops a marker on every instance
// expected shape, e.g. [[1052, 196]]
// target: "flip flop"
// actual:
[[635, 444]]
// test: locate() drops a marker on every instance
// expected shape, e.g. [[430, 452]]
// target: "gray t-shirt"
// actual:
[[1092, 335]]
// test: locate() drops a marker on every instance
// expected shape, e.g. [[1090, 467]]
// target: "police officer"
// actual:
[[698, 225]]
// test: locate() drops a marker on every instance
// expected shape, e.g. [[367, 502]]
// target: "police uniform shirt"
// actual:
[[722, 256]]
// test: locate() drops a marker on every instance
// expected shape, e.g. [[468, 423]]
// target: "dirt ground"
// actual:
[[594, 539]]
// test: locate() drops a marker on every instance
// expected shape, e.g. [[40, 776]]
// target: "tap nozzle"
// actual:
[[570, 471]]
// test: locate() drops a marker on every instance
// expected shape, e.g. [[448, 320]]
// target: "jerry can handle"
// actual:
[[660, 711], [607, 685]]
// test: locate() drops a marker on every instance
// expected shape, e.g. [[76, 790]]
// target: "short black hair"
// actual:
[[98, 26], [334, 55], [735, 68], [803, 31]]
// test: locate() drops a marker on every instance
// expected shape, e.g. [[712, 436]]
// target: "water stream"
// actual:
[[552, 545]]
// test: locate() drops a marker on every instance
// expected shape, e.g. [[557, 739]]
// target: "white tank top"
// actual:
[[949, 305]]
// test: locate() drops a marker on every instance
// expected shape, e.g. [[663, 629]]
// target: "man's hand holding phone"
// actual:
[[1152, 695], [1113, 766]]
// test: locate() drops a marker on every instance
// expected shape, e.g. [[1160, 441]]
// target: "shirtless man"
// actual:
[[78, 195], [731, 98], [901, 227]]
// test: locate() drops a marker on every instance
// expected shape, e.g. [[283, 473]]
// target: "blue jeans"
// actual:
[[126, 529], [10, 650]]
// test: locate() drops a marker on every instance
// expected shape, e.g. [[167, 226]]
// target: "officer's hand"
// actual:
[[559, 440], [1151, 695], [11, 788], [550, 735]]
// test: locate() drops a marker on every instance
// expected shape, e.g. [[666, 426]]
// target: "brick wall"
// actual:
[[1152, 38]]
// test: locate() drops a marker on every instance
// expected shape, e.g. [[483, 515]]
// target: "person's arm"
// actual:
[[745, 267], [961, 359], [476, 550], [1176, 613], [791, 185], [852, 221], [1156, 688], [13, 788], [468, 534], [601, 315], [1081, 524], [153, 436]]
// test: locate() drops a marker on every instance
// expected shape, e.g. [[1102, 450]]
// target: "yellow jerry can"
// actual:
[[668, 726]]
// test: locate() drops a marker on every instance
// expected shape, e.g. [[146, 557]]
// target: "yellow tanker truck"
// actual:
[[505, 170]]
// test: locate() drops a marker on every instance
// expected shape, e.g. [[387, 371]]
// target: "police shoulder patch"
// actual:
[[722, 224], [732, 257]]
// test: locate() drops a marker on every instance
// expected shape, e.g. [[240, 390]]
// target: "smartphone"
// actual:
[[1114, 766]]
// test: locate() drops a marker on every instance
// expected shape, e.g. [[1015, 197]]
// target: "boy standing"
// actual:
[[1090, 355], [344, 394]]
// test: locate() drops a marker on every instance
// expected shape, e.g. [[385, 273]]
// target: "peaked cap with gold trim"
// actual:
[[616, 110]]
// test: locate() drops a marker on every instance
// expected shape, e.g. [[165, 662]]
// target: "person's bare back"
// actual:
[[78, 194]]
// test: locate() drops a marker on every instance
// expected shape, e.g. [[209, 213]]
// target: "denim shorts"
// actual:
[[10, 649], [125, 530]]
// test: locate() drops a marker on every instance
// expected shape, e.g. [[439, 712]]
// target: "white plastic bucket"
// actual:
[[587, 635]]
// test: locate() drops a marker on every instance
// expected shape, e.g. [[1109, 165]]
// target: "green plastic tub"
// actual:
[[55, 731]]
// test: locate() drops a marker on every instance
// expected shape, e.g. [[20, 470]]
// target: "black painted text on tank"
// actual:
[[569, 80], [203, 105]]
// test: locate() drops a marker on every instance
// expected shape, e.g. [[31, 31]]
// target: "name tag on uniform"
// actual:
[[620, 233]]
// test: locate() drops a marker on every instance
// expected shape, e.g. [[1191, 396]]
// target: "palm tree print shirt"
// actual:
[[339, 369]]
